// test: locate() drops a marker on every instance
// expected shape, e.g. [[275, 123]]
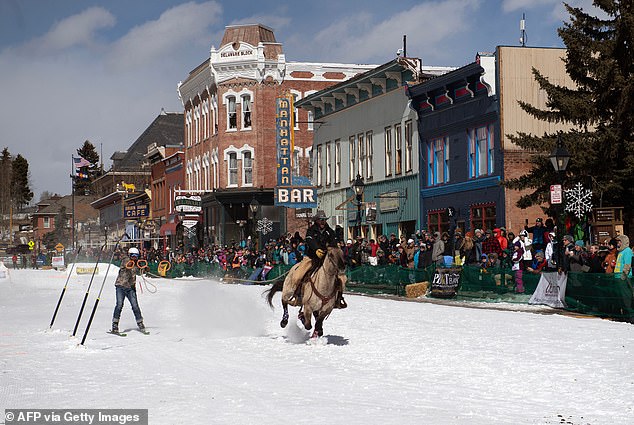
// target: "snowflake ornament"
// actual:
[[579, 200], [265, 226]]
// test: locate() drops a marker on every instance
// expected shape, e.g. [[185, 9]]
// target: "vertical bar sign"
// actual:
[[284, 139]]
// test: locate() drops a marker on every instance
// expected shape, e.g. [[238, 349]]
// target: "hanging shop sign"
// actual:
[[188, 203]]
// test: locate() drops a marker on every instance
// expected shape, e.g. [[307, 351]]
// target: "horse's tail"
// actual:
[[277, 287]]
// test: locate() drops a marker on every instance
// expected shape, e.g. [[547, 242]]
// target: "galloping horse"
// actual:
[[319, 291]]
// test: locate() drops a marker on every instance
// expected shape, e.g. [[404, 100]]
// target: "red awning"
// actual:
[[168, 229]]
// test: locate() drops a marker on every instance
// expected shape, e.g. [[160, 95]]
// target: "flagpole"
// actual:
[[72, 192]]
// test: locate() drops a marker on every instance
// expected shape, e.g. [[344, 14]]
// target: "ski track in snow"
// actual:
[[216, 355]]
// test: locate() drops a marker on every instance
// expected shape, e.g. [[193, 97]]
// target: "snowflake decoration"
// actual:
[[265, 226], [579, 200]]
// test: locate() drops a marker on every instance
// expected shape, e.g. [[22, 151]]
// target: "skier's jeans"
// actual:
[[130, 294]]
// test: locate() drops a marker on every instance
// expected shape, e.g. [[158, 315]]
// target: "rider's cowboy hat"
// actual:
[[320, 215]]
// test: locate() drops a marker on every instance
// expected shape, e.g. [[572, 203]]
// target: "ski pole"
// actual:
[[94, 309], [83, 304], [59, 302]]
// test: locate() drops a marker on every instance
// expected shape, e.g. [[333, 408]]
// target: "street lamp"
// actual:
[[359, 186], [559, 158]]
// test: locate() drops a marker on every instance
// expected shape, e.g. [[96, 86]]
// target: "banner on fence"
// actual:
[[551, 290], [445, 283]]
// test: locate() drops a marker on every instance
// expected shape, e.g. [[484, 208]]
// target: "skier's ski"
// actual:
[[144, 332], [116, 333]]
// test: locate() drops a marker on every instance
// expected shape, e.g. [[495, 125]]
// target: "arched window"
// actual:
[[246, 111], [247, 168], [232, 164], [232, 118]]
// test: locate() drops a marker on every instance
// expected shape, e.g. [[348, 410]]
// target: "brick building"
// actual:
[[230, 140]]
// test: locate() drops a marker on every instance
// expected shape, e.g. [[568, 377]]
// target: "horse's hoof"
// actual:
[[284, 322]]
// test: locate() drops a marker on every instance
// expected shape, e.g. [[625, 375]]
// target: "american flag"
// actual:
[[81, 162]]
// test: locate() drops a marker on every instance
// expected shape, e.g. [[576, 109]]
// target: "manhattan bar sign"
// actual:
[[291, 192]]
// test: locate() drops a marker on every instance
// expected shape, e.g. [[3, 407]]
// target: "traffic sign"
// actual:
[[59, 247], [556, 194]]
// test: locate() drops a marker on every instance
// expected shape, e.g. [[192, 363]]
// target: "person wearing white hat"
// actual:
[[126, 288]]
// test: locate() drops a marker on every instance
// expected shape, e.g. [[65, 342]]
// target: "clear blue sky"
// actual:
[[75, 70]]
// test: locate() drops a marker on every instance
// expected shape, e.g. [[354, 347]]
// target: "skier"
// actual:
[[126, 288]]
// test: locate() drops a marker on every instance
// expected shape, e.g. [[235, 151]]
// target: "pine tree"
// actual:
[[5, 190], [21, 193], [600, 110], [89, 153]]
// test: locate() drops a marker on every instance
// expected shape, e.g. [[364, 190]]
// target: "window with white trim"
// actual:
[[360, 154], [246, 111], [409, 146], [296, 96], [206, 119], [311, 162], [388, 151], [328, 165], [297, 154], [197, 124], [232, 119], [188, 128], [369, 152], [319, 167], [247, 168], [311, 118], [398, 150], [481, 145], [351, 172], [337, 161], [438, 161], [232, 179], [47, 222]]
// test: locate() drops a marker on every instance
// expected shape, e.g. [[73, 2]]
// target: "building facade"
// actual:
[[465, 118], [365, 128], [230, 136]]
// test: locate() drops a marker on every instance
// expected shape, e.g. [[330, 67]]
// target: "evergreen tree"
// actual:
[[600, 110], [21, 193], [5, 190], [89, 153]]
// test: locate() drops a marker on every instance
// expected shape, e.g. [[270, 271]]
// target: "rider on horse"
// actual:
[[319, 237]]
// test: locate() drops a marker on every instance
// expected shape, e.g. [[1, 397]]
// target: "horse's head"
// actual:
[[335, 256]]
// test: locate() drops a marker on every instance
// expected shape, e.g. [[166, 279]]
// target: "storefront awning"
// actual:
[[168, 229]]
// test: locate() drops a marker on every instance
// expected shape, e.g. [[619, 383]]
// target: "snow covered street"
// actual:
[[216, 355]]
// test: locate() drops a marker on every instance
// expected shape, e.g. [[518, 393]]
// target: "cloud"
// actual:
[[514, 5], [76, 30], [361, 38], [153, 41], [90, 89]]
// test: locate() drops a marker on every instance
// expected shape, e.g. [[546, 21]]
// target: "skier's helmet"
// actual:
[[133, 251]]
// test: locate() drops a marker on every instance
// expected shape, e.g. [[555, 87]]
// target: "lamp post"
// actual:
[[559, 158], [254, 206], [359, 187]]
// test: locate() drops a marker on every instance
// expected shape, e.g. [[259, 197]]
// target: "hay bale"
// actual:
[[416, 290]]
